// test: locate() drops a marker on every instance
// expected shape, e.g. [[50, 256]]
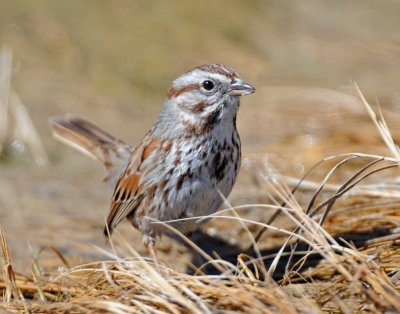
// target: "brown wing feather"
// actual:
[[127, 195]]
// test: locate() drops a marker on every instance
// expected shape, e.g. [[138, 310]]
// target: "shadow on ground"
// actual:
[[218, 247]]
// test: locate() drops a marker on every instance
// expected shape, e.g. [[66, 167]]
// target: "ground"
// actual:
[[113, 62]]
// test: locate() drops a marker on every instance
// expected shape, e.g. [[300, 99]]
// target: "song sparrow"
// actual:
[[190, 155]]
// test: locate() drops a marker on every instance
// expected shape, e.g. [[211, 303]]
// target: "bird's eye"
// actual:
[[208, 85]]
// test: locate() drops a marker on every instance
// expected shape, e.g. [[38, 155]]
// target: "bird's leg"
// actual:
[[148, 241], [152, 251]]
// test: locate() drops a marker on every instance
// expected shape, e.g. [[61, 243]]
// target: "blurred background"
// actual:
[[113, 62]]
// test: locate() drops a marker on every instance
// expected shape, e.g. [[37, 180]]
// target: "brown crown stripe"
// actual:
[[219, 69], [175, 92]]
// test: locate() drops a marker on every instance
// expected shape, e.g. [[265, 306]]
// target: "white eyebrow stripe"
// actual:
[[197, 76]]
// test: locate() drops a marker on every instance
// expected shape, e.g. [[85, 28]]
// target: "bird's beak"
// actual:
[[240, 88]]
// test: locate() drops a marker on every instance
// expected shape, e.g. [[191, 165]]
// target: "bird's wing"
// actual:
[[129, 191]]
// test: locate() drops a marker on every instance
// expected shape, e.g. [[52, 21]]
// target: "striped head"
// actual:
[[210, 90]]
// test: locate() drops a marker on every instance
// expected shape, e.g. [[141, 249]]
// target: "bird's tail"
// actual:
[[89, 139]]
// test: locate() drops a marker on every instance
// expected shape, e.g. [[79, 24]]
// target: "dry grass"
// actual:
[[16, 126], [347, 279], [113, 63]]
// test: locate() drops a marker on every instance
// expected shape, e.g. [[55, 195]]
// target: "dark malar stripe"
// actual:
[[210, 121]]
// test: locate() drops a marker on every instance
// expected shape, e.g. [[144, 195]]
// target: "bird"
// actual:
[[184, 166]]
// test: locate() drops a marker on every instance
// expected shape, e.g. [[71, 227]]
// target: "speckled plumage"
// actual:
[[190, 155]]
